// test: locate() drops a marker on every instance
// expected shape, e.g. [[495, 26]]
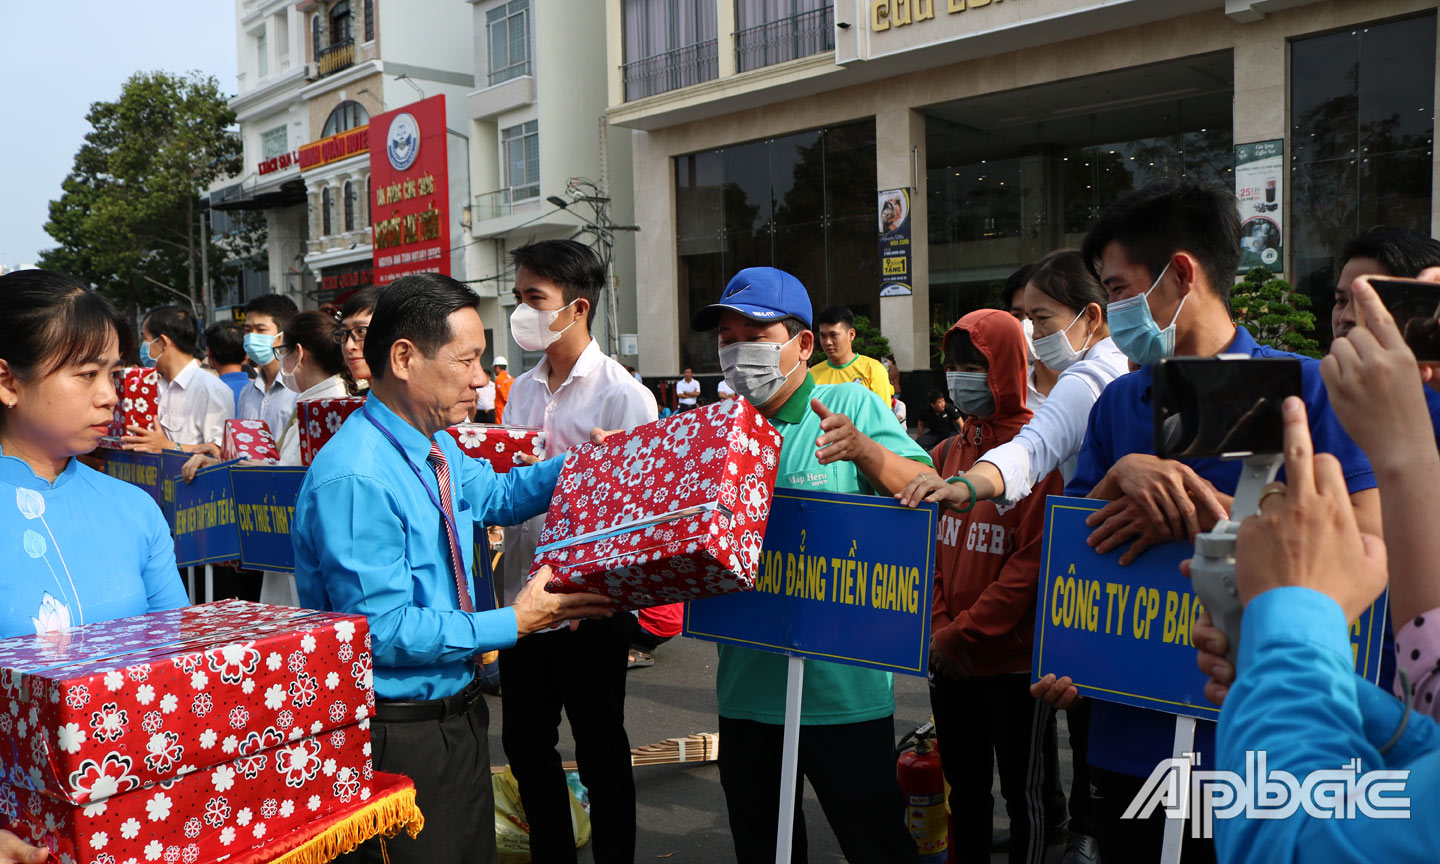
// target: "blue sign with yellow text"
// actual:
[[149, 471], [843, 578], [204, 523], [264, 506], [1122, 634]]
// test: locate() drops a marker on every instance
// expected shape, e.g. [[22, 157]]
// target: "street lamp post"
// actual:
[[603, 227]]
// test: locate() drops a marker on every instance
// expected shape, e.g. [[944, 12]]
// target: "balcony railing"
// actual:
[[493, 205], [336, 56], [790, 38], [672, 70], [509, 73]]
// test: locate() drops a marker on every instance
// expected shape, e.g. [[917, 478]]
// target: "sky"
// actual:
[[58, 58]]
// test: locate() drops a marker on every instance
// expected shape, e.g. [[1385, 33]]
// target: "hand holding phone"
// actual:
[[1414, 304]]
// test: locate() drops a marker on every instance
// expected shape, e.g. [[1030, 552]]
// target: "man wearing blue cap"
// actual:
[[838, 438]]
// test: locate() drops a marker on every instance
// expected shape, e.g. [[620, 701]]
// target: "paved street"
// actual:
[[682, 808]]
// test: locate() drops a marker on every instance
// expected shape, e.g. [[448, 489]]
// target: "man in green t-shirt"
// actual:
[[838, 438]]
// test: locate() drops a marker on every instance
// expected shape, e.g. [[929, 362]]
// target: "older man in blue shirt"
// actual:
[[384, 526]]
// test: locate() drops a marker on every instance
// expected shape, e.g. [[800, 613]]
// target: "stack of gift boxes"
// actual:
[[248, 439], [319, 419], [671, 511], [138, 392], [191, 735], [501, 446]]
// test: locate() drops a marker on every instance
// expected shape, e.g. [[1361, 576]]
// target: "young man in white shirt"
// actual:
[[193, 404], [687, 390], [574, 389], [266, 398]]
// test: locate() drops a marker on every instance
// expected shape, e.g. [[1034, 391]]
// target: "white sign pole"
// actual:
[[1175, 828], [789, 759]]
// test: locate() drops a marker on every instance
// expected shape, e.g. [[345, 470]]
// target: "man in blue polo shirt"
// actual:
[[384, 526], [1167, 253]]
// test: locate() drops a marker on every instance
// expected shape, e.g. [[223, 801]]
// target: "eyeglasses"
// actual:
[[358, 334], [283, 351]]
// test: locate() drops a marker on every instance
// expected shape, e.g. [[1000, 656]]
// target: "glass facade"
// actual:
[[803, 202], [1362, 115], [1014, 176]]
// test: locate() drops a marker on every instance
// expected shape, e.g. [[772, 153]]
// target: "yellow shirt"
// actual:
[[864, 370]]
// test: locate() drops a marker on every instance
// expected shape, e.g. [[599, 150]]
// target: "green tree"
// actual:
[[869, 340], [1275, 313], [128, 216]]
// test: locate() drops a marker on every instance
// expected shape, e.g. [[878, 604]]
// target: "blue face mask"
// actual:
[[1134, 329], [260, 348], [146, 359]]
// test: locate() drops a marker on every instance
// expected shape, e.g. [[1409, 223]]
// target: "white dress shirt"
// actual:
[[1053, 436], [725, 390], [687, 392], [274, 404], [193, 408], [597, 393], [485, 397]]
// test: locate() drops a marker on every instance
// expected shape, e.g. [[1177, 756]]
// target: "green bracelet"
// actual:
[[961, 478]]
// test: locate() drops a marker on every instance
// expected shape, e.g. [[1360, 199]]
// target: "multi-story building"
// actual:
[[312, 73], [767, 130], [543, 156], [274, 121]]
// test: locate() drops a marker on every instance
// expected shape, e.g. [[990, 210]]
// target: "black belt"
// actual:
[[393, 711]]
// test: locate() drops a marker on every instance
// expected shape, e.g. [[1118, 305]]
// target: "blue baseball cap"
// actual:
[[761, 294]]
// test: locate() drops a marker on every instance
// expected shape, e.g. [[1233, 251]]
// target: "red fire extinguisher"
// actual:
[[918, 768]]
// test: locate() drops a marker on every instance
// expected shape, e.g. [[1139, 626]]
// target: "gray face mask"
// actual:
[[753, 369], [970, 391]]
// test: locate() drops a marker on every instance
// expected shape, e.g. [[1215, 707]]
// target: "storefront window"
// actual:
[[1361, 139], [803, 202]]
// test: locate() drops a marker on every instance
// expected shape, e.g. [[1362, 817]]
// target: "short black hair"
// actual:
[[226, 343], [1402, 252], [1063, 276], [417, 308], [1153, 223], [573, 266], [960, 350], [794, 326], [1013, 283], [279, 307], [362, 301], [177, 323], [49, 320], [836, 315], [934, 395]]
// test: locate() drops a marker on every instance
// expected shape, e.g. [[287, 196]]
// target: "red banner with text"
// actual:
[[410, 191]]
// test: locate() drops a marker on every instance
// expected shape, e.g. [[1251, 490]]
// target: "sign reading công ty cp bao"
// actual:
[[1122, 634], [843, 578]]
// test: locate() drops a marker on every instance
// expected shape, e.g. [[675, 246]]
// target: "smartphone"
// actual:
[[1415, 306], [1221, 407]]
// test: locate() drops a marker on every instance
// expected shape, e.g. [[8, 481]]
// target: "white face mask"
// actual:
[[970, 391], [1029, 327], [753, 369], [531, 326], [1055, 350], [287, 379]]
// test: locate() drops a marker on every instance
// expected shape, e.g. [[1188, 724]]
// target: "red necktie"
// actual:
[[457, 562]]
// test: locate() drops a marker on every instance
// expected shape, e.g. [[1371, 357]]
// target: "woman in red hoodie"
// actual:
[[983, 622]]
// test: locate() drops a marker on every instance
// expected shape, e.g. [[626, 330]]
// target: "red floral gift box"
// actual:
[[671, 511], [248, 439], [138, 389], [501, 446], [267, 789], [129, 703], [320, 419]]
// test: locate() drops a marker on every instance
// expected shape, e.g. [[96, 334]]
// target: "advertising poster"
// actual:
[[1260, 192], [410, 191], [895, 243]]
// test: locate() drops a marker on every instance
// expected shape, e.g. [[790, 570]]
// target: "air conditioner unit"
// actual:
[[312, 71]]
